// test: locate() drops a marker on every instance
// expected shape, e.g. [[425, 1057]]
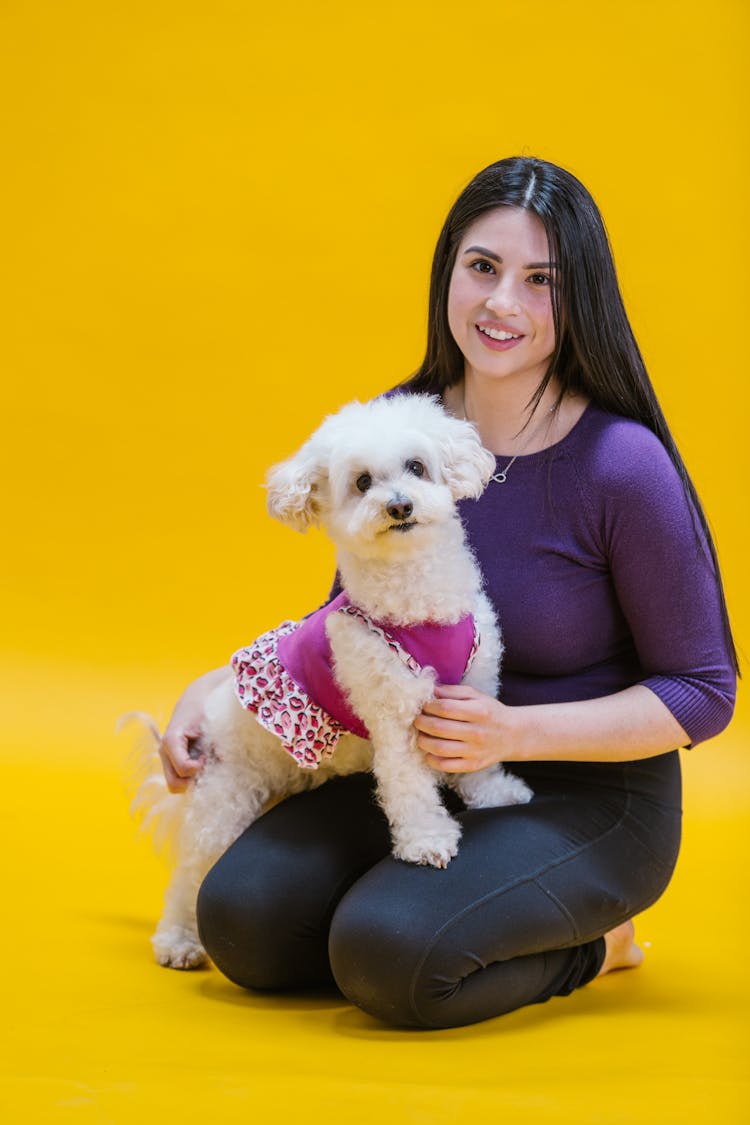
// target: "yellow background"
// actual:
[[218, 222]]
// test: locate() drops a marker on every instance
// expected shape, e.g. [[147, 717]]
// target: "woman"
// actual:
[[597, 557]]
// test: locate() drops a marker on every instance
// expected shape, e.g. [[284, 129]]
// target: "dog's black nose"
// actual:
[[400, 508]]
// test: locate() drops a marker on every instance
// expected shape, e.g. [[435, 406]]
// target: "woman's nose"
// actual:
[[503, 298]]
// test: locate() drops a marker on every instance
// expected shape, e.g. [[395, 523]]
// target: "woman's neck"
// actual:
[[507, 423]]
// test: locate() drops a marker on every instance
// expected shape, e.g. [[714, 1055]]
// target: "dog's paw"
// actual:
[[432, 842], [517, 791], [178, 948], [490, 789]]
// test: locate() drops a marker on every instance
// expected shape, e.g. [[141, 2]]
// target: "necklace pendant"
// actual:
[[501, 477]]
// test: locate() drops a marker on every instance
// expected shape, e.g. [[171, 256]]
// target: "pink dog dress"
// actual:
[[285, 677]]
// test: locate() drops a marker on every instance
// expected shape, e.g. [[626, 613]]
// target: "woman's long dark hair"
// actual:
[[595, 350]]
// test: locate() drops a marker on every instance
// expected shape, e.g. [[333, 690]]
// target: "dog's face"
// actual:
[[379, 476]]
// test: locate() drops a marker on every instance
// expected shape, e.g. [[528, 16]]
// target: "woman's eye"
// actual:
[[363, 482], [415, 467], [482, 266], [539, 279]]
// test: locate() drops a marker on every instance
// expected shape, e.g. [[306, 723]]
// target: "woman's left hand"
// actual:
[[462, 730]]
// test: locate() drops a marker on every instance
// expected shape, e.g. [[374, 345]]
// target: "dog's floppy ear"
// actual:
[[467, 465], [294, 490]]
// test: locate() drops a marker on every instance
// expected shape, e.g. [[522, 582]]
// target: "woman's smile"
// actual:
[[496, 338]]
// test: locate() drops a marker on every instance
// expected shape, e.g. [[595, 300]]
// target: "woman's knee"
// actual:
[[233, 930], [375, 954], [251, 931]]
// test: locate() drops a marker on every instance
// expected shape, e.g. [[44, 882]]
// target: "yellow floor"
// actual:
[[96, 1032]]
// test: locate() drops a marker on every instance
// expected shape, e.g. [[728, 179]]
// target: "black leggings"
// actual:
[[309, 894]]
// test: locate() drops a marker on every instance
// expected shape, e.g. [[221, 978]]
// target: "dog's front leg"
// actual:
[[388, 697], [422, 829], [492, 787]]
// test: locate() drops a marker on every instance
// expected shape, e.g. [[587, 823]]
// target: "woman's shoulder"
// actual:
[[627, 484], [625, 476], [618, 453]]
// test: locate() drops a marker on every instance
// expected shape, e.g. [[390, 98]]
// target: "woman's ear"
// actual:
[[294, 490]]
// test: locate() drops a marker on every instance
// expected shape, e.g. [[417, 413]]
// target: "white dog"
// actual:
[[382, 479]]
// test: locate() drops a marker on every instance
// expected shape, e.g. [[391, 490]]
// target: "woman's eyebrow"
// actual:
[[483, 250], [496, 258]]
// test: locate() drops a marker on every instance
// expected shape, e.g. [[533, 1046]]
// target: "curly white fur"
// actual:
[[403, 451]]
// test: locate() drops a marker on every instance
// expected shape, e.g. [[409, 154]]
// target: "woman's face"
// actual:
[[499, 302]]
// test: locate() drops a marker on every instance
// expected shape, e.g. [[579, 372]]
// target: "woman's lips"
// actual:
[[497, 345]]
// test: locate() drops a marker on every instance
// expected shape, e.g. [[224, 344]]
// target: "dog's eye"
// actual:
[[415, 467], [364, 482]]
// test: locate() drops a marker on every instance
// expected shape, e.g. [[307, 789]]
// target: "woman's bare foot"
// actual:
[[621, 950]]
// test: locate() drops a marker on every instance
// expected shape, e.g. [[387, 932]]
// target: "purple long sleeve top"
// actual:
[[590, 557]]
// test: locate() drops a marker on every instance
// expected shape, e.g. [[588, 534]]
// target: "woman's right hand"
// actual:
[[181, 752]]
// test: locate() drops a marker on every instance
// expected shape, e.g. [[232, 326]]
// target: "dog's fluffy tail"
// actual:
[[158, 812]]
